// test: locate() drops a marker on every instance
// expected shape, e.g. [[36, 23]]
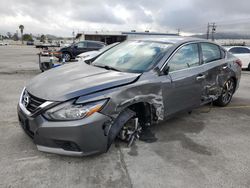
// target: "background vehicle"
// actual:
[[2, 43], [88, 56], [70, 52], [79, 109], [31, 43], [243, 53], [46, 46]]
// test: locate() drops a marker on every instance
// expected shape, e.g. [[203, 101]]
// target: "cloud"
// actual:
[[62, 17], [96, 14]]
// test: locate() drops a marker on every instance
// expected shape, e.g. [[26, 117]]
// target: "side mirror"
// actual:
[[157, 70], [75, 46], [165, 71]]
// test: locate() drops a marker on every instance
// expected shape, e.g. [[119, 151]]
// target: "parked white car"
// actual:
[[87, 56], [2, 43], [243, 53]]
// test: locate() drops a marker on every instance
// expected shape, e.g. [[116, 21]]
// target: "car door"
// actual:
[[216, 70], [79, 48], [182, 86]]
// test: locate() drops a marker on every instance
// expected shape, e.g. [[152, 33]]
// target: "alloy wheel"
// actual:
[[228, 91], [66, 57]]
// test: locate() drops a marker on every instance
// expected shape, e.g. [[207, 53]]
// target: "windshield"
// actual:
[[133, 56]]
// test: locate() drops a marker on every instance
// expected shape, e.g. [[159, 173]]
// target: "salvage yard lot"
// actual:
[[209, 148]]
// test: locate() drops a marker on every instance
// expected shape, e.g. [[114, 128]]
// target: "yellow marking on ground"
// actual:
[[227, 107], [235, 107]]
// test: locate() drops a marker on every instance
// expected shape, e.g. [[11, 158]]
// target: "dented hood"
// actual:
[[76, 79]]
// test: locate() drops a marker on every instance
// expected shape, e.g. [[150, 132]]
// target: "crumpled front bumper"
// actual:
[[74, 138]]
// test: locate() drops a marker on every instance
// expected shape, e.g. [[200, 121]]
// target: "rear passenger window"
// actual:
[[210, 52], [185, 57], [94, 45], [81, 45]]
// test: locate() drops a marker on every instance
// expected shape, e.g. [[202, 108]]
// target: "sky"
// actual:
[[61, 18]]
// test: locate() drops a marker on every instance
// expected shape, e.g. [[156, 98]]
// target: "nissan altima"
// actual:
[[79, 109]]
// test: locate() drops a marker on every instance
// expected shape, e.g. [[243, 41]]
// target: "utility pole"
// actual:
[[178, 31], [73, 36], [213, 26], [213, 30], [208, 30]]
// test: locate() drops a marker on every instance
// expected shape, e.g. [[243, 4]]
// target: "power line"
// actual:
[[243, 20], [221, 23]]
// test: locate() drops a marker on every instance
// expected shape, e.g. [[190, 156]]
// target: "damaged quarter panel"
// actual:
[[219, 66]]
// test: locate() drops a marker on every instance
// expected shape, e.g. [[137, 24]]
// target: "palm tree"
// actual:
[[21, 27]]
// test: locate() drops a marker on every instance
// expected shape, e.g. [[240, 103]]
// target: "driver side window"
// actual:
[[185, 57]]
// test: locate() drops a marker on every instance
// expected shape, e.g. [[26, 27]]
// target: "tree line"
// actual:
[[24, 37]]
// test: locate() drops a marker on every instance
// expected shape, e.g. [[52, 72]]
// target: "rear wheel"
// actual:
[[227, 93], [248, 67]]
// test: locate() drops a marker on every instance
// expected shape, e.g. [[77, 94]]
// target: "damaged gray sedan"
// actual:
[[79, 109]]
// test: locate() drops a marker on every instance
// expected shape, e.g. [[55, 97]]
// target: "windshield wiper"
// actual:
[[106, 67]]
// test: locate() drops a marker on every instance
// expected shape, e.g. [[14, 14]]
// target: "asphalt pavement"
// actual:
[[207, 148]]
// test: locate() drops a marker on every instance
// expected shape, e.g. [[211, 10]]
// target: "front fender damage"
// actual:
[[120, 99], [125, 97], [123, 117]]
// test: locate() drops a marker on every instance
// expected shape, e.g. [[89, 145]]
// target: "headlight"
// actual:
[[70, 111]]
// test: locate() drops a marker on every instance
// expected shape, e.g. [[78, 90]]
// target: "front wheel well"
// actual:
[[141, 112], [67, 52], [145, 112]]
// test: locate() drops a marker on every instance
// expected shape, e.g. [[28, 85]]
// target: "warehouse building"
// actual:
[[110, 37]]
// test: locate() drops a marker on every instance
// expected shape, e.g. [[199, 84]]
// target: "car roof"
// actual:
[[170, 39]]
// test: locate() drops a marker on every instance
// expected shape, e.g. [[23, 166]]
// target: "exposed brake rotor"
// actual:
[[130, 131]]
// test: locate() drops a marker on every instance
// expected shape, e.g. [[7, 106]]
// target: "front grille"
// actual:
[[34, 102]]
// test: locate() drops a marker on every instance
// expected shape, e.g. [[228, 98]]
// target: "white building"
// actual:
[[116, 36]]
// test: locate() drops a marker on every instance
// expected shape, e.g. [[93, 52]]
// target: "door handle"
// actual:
[[201, 77]]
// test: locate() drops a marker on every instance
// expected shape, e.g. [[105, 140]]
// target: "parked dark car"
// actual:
[[79, 109], [70, 52], [30, 43]]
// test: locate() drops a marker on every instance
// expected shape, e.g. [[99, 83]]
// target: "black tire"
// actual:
[[248, 68], [227, 93], [66, 56]]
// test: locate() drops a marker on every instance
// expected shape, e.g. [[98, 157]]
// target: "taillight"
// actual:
[[238, 61]]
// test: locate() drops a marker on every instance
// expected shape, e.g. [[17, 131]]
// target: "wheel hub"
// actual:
[[228, 91], [130, 131]]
